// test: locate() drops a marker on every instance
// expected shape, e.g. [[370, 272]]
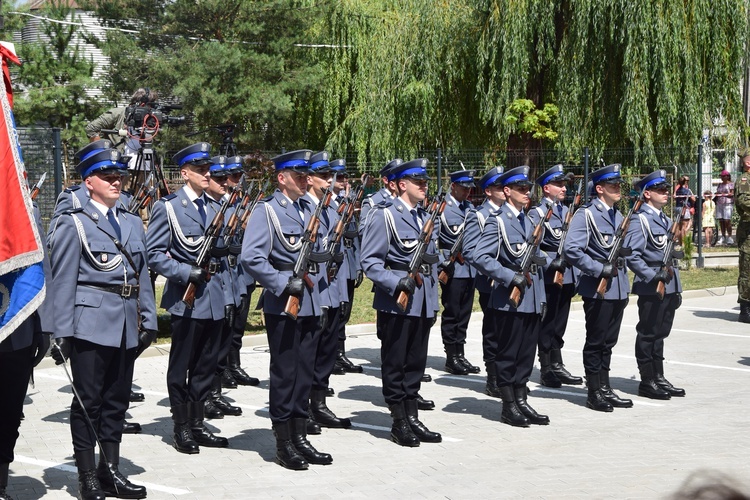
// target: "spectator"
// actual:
[[683, 195], [708, 220], [724, 207]]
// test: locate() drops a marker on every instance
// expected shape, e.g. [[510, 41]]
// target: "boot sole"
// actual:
[[506, 421], [112, 493], [408, 445], [288, 467], [660, 397], [606, 409], [186, 451]]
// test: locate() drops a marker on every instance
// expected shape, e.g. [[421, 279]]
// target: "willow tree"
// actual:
[[405, 75]]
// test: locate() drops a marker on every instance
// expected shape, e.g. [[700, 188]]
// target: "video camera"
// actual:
[[152, 115]]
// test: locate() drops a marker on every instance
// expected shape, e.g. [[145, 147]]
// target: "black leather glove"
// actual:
[[229, 313], [323, 319], [61, 350], [345, 310], [145, 339], [678, 254], [358, 278], [41, 346], [518, 281], [662, 276], [406, 284], [296, 286], [558, 264], [198, 276], [607, 271]]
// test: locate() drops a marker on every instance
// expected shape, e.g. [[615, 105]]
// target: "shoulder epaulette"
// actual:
[[70, 189], [268, 198], [170, 196]]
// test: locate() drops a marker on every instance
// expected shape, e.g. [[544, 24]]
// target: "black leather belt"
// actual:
[[312, 267], [395, 266], [124, 290]]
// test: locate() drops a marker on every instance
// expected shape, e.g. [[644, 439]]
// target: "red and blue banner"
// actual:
[[22, 286]]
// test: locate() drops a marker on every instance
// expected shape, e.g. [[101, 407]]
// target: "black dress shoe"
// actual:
[[528, 412], [401, 432], [299, 440], [452, 363], [616, 400], [241, 377], [673, 391], [227, 380], [89, 487], [649, 389], [136, 397], [131, 427], [549, 379], [346, 364], [511, 414], [183, 440], [313, 427], [114, 484], [426, 378], [204, 437], [420, 430], [425, 404], [330, 391], [226, 408], [596, 401], [211, 411], [287, 455]]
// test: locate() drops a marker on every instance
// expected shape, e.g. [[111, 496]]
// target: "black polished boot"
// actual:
[[595, 399], [322, 414], [234, 367], [303, 446], [218, 401], [511, 414], [136, 397], [227, 380], [558, 368], [460, 355], [201, 434], [88, 484], [4, 495], [535, 418], [111, 480], [648, 387], [420, 430], [313, 427], [425, 404], [548, 377], [744, 316], [343, 363], [401, 432], [452, 363], [131, 427], [491, 389], [287, 455], [183, 439], [665, 384], [426, 378], [610, 395]]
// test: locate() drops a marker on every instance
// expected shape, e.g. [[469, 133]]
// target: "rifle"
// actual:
[[303, 258], [560, 273], [617, 249], [38, 186], [211, 236], [435, 210], [242, 221], [233, 221], [346, 212], [530, 258], [669, 253], [136, 202], [454, 256]]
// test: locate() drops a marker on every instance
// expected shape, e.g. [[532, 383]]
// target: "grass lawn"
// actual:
[[362, 311]]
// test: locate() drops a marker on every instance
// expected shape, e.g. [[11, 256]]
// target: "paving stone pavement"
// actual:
[[643, 452]]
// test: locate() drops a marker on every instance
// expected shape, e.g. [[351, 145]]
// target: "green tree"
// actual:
[[53, 85]]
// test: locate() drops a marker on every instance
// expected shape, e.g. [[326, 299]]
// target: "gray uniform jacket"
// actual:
[[275, 241], [587, 247], [75, 197], [388, 243], [42, 320], [494, 256], [451, 226], [175, 232], [83, 254], [475, 222], [368, 203], [647, 237], [551, 239]]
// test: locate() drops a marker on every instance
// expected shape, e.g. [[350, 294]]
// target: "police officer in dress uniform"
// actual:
[[234, 374], [354, 274], [473, 228], [75, 197], [389, 239], [498, 254], [19, 353], [742, 204], [269, 256], [99, 259], [457, 294], [175, 236], [553, 371], [332, 294], [587, 247], [647, 238], [216, 406]]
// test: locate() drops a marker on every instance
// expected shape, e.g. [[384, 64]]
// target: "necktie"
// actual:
[[299, 211], [416, 219], [113, 222], [522, 220], [612, 215], [663, 218], [559, 209], [202, 211]]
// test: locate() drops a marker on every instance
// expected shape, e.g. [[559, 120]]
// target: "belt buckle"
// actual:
[[533, 269], [313, 268], [232, 259], [424, 269], [348, 243], [127, 291], [213, 267]]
